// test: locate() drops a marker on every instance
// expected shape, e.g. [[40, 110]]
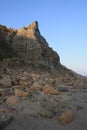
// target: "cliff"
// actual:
[[26, 47]]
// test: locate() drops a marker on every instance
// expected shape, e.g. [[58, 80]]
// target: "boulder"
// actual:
[[23, 83], [12, 100], [35, 77], [6, 81], [47, 89], [67, 116], [21, 93]]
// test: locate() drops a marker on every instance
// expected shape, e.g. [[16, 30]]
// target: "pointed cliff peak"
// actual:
[[34, 26]]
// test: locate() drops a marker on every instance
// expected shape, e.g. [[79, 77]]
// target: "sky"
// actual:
[[63, 23]]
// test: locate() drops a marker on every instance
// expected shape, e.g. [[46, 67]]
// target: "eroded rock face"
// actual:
[[27, 48], [33, 48], [28, 44], [5, 48]]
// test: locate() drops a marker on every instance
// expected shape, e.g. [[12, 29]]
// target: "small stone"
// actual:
[[23, 83], [60, 110], [45, 114], [8, 110], [6, 81], [3, 110], [21, 93], [79, 107], [2, 92], [67, 117], [47, 89]]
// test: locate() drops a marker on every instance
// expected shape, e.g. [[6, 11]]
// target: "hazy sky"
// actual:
[[62, 22]]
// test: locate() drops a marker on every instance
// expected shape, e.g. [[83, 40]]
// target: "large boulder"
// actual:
[[47, 89], [67, 116]]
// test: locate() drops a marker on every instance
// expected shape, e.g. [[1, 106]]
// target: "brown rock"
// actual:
[[36, 86], [35, 77], [23, 83], [2, 92], [60, 110], [12, 100], [8, 110], [79, 107], [49, 90], [21, 93], [67, 117], [24, 79], [6, 81]]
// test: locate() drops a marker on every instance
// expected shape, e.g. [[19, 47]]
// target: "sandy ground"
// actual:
[[24, 121]]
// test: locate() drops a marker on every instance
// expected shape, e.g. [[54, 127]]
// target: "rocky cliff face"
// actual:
[[31, 50], [28, 43], [5, 49]]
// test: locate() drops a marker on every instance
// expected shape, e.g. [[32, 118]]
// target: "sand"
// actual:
[[75, 99]]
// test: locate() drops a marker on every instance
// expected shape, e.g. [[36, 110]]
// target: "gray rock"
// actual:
[[5, 120], [63, 88]]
